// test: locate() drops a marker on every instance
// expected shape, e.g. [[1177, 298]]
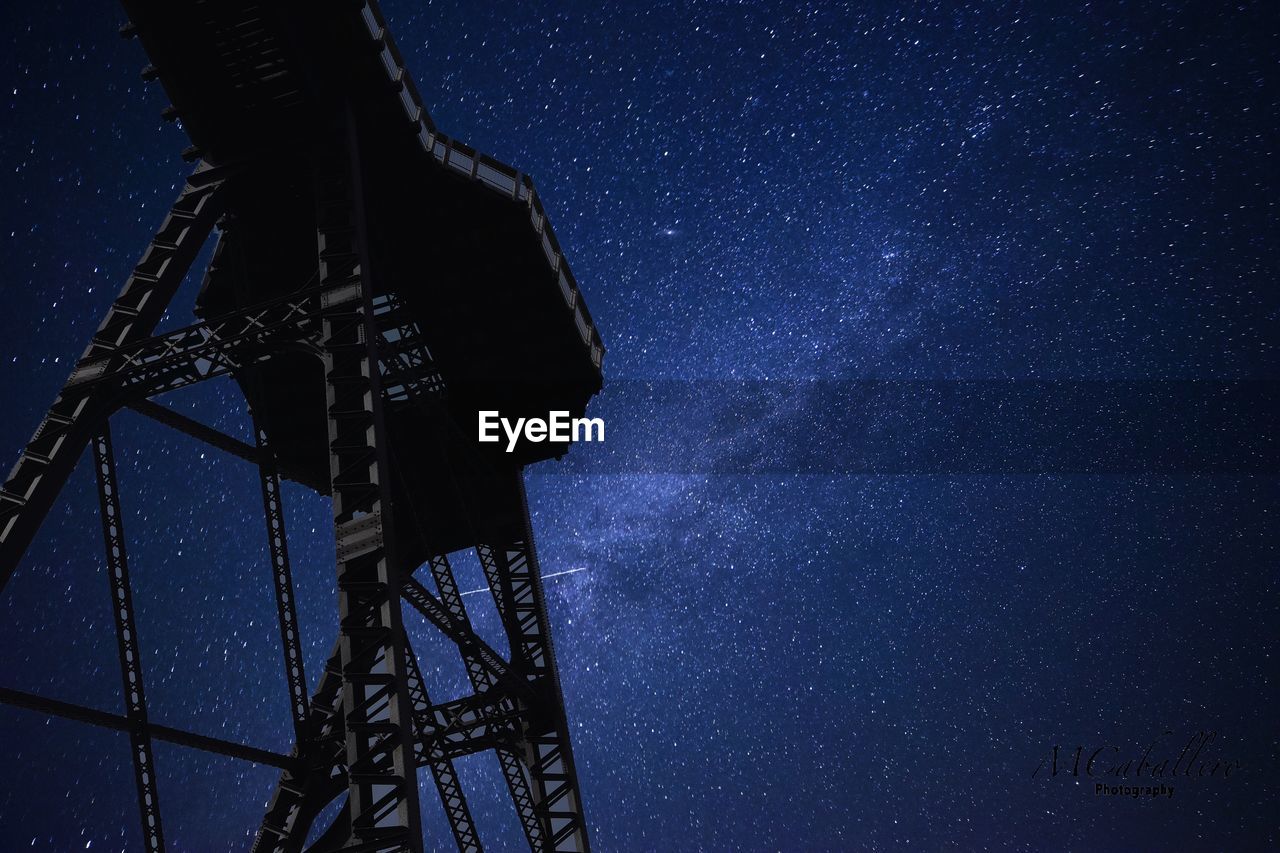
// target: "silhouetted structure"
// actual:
[[373, 284]]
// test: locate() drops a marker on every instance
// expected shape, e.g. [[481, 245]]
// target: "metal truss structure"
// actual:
[[368, 726]]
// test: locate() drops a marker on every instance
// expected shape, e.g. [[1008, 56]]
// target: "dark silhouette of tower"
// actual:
[[374, 284]]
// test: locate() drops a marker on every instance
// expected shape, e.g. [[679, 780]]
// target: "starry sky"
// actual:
[[834, 656]]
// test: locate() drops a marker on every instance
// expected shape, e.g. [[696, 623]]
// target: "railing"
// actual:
[[489, 172]]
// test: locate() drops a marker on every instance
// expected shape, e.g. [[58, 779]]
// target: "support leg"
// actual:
[[127, 641], [282, 581], [380, 751], [516, 581], [481, 677]]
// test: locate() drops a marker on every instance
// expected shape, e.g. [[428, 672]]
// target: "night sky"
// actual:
[[754, 658]]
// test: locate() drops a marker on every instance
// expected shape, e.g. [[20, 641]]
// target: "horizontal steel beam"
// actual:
[[107, 720]]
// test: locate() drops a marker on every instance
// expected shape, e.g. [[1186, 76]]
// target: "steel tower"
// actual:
[[374, 284]]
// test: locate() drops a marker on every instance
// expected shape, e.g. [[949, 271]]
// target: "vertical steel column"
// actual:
[[127, 640], [282, 581], [380, 751]]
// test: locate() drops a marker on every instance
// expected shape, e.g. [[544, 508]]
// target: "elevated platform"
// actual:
[[459, 240]]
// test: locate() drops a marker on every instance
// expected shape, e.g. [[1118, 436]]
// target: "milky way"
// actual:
[[831, 659]]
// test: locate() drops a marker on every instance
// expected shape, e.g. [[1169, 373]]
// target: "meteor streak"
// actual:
[[544, 577]]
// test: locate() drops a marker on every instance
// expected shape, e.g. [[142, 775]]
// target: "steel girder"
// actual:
[[135, 696], [282, 582], [206, 350], [511, 567], [48, 459]]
